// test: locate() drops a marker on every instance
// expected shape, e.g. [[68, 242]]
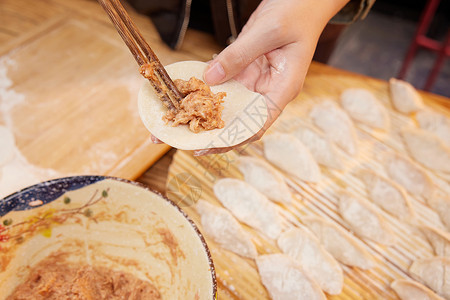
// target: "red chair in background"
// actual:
[[421, 40]]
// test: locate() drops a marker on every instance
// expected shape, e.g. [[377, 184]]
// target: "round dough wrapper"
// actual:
[[244, 113]]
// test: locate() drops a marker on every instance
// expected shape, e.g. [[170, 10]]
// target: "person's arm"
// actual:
[[273, 52]]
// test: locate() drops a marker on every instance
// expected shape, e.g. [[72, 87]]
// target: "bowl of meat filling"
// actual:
[[95, 237]]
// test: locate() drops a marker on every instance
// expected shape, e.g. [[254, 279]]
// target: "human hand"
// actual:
[[272, 53]]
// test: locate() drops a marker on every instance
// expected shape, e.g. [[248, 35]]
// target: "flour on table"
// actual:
[[300, 244], [7, 146], [364, 107], [427, 149], [433, 272], [264, 178], [321, 148], [364, 220], [412, 290], [441, 205], [436, 123], [388, 195], [249, 206], [409, 175], [225, 230], [339, 243], [284, 279], [404, 96], [336, 124], [439, 239], [290, 155]]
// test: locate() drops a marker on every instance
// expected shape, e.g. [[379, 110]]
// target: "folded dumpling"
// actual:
[[439, 239], [290, 155], [339, 243], [364, 107], [436, 123], [321, 148], [336, 125], [404, 96], [224, 229], [441, 205], [285, 279], [435, 273], [412, 290], [249, 206], [388, 195], [364, 220], [264, 178], [427, 149], [300, 244], [409, 175]]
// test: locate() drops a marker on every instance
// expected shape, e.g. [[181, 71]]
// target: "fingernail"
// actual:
[[214, 74], [155, 140]]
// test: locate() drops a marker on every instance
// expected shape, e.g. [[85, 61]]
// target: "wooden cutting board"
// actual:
[[191, 178], [68, 89]]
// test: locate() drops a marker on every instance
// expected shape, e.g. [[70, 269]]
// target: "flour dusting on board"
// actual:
[[15, 171]]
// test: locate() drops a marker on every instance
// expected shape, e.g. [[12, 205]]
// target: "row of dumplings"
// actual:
[[311, 251]]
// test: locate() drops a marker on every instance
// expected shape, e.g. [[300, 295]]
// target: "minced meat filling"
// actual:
[[200, 108], [52, 280]]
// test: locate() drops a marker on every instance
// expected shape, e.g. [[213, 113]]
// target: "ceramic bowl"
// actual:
[[105, 222]]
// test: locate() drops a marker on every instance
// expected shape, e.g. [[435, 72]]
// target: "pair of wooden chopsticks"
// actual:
[[150, 66]]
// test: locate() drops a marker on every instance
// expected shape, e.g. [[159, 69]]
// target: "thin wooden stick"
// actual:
[[150, 66]]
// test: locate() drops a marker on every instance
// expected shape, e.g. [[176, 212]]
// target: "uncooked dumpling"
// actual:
[[363, 107], [249, 206], [435, 273], [364, 220], [264, 178], [7, 146], [427, 149], [336, 125], [412, 290], [290, 155], [436, 123], [388, 195], [304, 247], [404, 96], [244, 113], [409, 175], [223, 228], [441, 205], [284, 279], [439, 239], [321, 148], [339, 243]]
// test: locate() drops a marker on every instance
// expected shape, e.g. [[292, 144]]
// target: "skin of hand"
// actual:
[[272, 54]]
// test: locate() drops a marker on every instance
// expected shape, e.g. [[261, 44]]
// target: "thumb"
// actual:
[[237, 56]]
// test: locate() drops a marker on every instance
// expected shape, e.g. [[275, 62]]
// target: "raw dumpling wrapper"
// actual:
[[339, 243], [404, 96], [264, 178], [409, 175], [436, 123], [223, 228], [284, 279], [304, 247], [364, 220], [8, 146], [290, 155], [363, 107], [435, 273], [388, 195], [412, 290], [244, 113], [427, 149], [336, 125], [249, 206], [321, 148]]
